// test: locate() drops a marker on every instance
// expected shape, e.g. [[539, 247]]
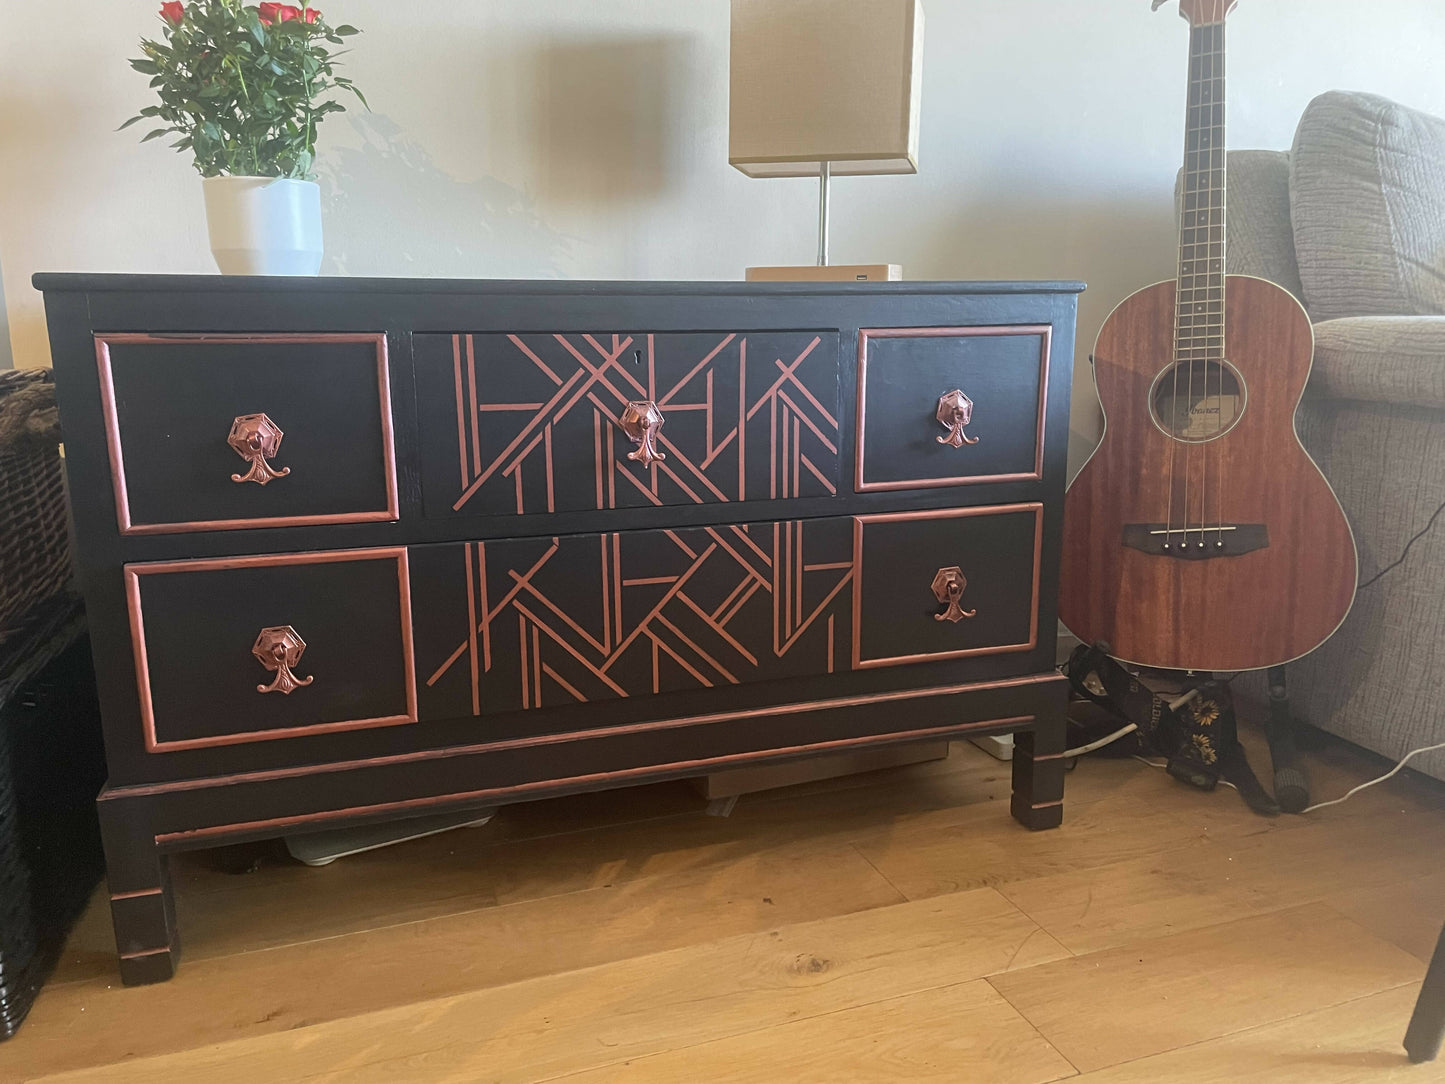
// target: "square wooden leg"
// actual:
[[1038, 775]]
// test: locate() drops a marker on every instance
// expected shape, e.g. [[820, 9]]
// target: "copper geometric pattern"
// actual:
[[749, 416], [552, 621]]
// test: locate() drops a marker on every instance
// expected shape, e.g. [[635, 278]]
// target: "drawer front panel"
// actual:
[[197, 626], [528, 423], [906, 561], [224, 432], [520, 624], [991, 429]]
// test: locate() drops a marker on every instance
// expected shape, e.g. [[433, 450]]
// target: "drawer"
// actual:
[[539, 623], [340, 623], [913, 383], [220, 432], [906, 564], [514, 424]]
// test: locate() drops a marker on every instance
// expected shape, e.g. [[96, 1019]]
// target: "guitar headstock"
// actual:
[[1206, 12]]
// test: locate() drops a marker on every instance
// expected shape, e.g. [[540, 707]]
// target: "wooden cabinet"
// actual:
[[366, 549]]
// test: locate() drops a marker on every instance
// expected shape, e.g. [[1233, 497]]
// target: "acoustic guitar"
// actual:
[[1200, 535]]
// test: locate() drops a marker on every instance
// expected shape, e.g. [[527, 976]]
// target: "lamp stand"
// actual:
[[825, 176]]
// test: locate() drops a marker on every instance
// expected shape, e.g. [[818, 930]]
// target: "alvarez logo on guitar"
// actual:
[[1200, 535]]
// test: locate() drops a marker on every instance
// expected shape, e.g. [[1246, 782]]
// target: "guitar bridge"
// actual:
[[1196, 542]]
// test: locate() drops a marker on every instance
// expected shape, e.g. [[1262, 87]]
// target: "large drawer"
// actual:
[[949, 406], [218, 432], [515, 424]]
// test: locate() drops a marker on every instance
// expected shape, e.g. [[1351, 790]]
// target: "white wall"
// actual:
[[588, 139]]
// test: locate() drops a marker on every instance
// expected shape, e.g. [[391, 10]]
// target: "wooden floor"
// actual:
[[891, 927]]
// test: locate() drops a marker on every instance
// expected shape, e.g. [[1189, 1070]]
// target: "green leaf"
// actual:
[[156, 134], [345, 30], [128, 123], [146, 67]]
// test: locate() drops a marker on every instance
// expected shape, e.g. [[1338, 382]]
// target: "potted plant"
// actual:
[[244, 86]]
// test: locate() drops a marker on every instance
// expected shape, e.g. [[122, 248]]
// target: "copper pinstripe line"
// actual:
[[522, 647], [777, 594], [685, 461], [637, 484], [803, 389], [472, 631], [742, 418], [478, 482], [746, 539], [461, 410], [597, 374], [531, 589], [787, 372], [772, 448], [617, 581], [798, 413], [798, 572], [560, 680], [782, 463], [797, 635], [749, 593], [666, 399], [551, 504], [656, 672], [797, 450], [475, 413], [597, 452], [606, 601], [681, 543], [830, 643], [537, 361], [700, 652], [717, 629], [565, 646], [832, 489], [708, 459], [712, 532], [612, 358], [666, 598], [537, 666], [723, 605], [659, 642], [486, 629]]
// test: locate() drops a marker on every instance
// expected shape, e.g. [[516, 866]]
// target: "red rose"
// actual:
[[268, 13], [288, 11], [312, 15], [172, 11]]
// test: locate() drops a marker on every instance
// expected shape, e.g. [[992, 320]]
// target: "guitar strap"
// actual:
[[1198, 740]]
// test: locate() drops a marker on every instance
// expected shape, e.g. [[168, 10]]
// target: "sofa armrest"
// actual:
[[1381, 359]]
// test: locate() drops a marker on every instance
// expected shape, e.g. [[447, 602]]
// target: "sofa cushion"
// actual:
[[1367, 202], [1381, 359]]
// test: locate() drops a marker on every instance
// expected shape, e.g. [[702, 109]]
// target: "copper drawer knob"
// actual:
[[641, 421], [256, 438], [955, 410], [948, 587], [279, 648]]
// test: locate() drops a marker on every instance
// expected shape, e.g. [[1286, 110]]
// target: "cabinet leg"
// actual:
[[1038, 775], [142, 905]]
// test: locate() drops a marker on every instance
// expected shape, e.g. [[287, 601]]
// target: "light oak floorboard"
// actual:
[[1150, 996], [1354, 1043], [558, 1024], [915, 1038]]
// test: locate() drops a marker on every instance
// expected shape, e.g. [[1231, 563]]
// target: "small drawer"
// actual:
[[946, 584], [951, 406], [245, 649], [221, 432], [517, 424]]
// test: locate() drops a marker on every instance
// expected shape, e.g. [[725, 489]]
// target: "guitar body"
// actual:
[[1261, 565]]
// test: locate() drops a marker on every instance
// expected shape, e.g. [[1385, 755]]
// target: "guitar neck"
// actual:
[[1199, 317]]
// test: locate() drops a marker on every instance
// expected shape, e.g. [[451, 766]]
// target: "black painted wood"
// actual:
[[906, 375], [499, 740], [201, 625], [176, 400]]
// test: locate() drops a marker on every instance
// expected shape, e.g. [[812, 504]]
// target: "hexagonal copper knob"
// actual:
[[955, 410], [256, 438], [279, 648], [948, 587], [641, 421]]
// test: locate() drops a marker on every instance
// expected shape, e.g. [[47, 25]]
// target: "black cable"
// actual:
[[1406, 551]]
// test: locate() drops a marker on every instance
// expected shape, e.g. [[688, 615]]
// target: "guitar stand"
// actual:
[[1291, 784]]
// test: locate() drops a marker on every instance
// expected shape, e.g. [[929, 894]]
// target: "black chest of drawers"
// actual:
[[362, 549]]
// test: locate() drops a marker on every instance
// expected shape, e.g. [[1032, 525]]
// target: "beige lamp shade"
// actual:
[[816, 81]]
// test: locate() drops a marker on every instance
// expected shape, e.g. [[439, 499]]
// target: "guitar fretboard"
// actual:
[[1199, 315]]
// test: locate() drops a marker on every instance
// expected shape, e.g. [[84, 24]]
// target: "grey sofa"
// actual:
[[1352, 221]]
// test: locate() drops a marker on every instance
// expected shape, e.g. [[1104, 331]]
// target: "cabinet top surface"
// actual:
[[85, 282]]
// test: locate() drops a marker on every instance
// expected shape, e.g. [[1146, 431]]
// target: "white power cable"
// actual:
[[1355, 790]]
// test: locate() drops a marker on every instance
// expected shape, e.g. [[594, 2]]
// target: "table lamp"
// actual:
[[825, 88]]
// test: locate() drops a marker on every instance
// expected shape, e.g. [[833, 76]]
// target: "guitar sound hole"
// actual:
[[1197, 401]]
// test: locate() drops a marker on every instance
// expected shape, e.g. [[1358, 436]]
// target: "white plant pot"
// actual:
[[264, 225]]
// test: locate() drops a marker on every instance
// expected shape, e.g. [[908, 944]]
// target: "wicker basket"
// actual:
[[51, 761]]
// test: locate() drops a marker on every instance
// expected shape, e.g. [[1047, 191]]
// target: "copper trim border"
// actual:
[[867, 333], [271, 774], [133, 573], [391, 512], [714, 763], [859, 522]]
